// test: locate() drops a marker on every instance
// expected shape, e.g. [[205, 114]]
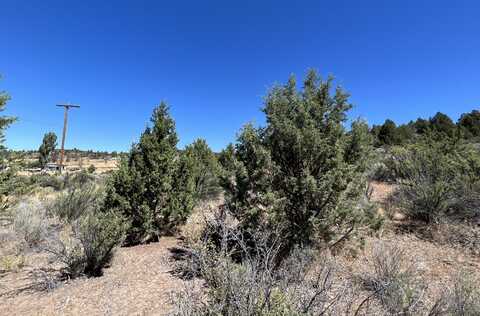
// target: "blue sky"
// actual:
[[213, 62]]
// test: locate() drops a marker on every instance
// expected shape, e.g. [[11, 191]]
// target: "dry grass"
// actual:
[[195, 225], [138, 282], [101, 165], [435, 264]]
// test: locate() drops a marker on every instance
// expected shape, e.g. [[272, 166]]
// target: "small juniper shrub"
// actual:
[[382, 169]]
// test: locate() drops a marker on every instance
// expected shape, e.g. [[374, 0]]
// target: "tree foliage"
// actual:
[[470, 123], [387, 135], [440, 126], [205, 169], [153, 187], [6, 176], [302, 172], [421, 126], [47, 148], [5, 121], [443, 125]]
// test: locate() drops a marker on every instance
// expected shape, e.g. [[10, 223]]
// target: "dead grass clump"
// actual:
[[392, 279], [30, 221], [463, 297], [205, 220], [11, 263]]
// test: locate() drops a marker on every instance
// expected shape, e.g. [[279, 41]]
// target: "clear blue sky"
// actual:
[[213, 62]]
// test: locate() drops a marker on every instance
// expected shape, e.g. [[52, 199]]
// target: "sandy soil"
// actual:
[[137, 283]]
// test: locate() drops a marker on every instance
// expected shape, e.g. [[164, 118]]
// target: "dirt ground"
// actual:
[[138, 282], [101, 165]]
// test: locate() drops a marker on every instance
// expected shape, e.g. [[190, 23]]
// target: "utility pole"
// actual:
[[65, 122]]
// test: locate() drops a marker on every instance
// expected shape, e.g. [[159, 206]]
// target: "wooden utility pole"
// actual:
[[65, 122]]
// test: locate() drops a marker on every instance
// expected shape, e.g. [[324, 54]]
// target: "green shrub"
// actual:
[[5, 122], [47, 180], [12, 184], [76, 201], [388, 134], [437, 180], [91, 169], [78, 179], [99, 234], [303, 172], [153, 187], [91, 245]]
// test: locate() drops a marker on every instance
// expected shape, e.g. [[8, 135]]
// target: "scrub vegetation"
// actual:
[[306, 215]]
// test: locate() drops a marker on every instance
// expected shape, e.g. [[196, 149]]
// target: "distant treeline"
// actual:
[[440, 125]]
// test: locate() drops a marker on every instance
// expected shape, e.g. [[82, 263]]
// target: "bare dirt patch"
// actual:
[[381, 191], [138, 282]]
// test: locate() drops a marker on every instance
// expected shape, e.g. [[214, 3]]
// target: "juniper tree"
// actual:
[[443, 125], [302, 172], [47, 148], [5, 175], [152, 188], [205, 169], [387, 134], [5, 121], [470, 123], [421, 126]]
